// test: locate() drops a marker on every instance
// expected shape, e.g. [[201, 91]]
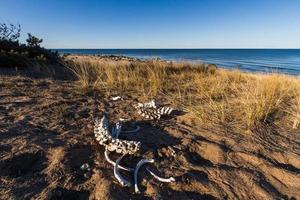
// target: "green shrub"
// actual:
[[15, 54]]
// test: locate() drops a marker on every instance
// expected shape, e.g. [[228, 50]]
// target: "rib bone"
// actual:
[[166, 180], [139, 164], [151, 110], [117, 174], [113, 163], [132, 131]]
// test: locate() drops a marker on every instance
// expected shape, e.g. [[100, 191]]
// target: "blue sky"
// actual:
[[158, 23]]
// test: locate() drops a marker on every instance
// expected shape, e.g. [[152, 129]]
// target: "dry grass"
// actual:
[[215, 96], [264, 98], [296, 113], [294, 109]]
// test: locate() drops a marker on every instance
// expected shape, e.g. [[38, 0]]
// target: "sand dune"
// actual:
[[46, 135]]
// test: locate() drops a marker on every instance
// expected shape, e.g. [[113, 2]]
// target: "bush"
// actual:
[[9, 32], [33, 41], [14, 54], [13, 59]]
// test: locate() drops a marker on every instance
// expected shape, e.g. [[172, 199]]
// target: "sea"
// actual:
[[286, 61]]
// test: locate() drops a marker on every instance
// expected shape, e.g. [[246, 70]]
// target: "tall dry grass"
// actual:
[[296, 112], [265, 98], [215, 96]]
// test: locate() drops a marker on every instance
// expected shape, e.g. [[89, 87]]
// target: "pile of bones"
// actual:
[[110, 140]]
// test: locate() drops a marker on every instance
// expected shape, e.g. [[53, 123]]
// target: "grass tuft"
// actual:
[[215, 96]]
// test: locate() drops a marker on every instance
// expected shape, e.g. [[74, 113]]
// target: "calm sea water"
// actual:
[[259, 60]]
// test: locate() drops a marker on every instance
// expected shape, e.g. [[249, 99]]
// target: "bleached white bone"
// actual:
[[116, 98], [115, 131], [105, 138], [149, 104], [132, 131], [117, 174], [151, 110], [139, 164], [161, 179], [166, 110], [113, 163]]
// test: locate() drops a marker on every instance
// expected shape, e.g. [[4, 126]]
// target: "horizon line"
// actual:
[[284, 48]]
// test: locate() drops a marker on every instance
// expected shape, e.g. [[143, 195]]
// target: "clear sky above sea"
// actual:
[[157, 23]]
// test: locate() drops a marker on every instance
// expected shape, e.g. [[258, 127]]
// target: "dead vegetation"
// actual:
[[214, 95]]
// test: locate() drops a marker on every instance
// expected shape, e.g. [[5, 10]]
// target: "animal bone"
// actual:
[[166, 180], [113, 144], [85, 167], [116, 130], [151, 110], [110, 140], [165, 110], [139, 164], [155, 113], [149, 113], [117, 174], [101, 129], [150, 104], [113, 163], [132, 131], [123, 146], [116, 98]]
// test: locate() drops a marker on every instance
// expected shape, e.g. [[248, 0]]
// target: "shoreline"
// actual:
[[133, 59], [267, 60]]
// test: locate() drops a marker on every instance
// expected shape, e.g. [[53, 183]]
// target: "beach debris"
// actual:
[[113, 163], [116, 98], [152, 110], [112, 143], [110, 140], [139, 164], [161, 179], [117, 174]]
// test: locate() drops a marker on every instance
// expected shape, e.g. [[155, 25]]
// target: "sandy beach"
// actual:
[[46, 136]]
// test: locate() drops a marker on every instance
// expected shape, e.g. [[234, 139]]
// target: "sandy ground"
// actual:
[[46, 135]]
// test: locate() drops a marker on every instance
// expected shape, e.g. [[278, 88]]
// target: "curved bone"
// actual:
[[113, 163], [104, 138], [117, 174], [166, 180], [132, 131], [139, 164]]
